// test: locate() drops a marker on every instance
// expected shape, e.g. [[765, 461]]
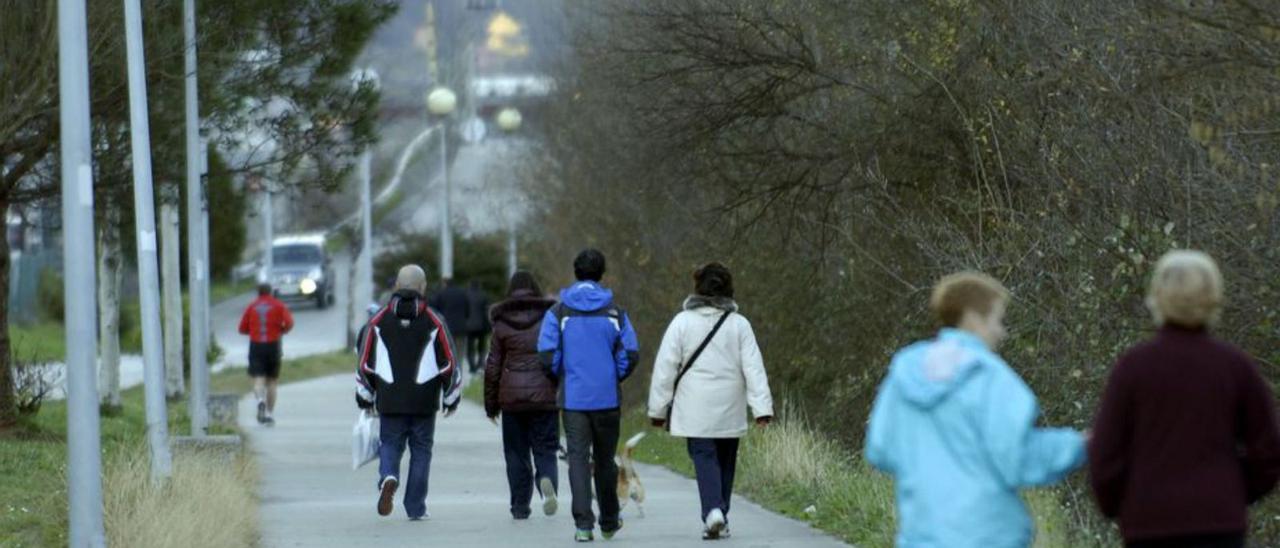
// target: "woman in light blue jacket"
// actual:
[[955, 427]]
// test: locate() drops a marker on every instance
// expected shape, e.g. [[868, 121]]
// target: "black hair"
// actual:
[[264, 289], [589, 266], [713, 280], [523, 280]]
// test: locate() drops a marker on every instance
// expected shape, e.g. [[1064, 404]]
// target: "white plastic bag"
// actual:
[[364, 439]]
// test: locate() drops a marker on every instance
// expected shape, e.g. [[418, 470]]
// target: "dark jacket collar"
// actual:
[[521, 310], [701, 301]]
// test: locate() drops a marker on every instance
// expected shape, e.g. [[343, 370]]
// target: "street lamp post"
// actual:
[[84, 458], [148, 269], [509, 120], [363, 285], [196, 226], [441, 102]]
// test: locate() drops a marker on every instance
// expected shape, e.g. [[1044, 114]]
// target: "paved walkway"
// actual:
[[311, 497]]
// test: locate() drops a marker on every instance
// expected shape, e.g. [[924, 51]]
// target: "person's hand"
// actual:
[[764, 421], [658, 423], [449, 411], [493, 419], [362, 404], [1087, 434]]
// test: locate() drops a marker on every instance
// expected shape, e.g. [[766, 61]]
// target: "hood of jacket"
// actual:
[[586, 296], [927, 372], [522, 310], [406, 303], [723, 304]]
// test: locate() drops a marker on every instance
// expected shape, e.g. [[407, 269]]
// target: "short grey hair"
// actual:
[[412, 277], [1186, 289]]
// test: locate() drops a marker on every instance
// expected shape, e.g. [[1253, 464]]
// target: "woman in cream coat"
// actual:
[[710, 403]]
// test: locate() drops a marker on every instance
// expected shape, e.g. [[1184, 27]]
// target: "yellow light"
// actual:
[[307, 285]]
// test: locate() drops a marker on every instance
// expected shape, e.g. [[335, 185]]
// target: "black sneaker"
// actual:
[[262, 412], [608, 535]]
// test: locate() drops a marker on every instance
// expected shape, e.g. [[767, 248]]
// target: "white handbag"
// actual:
[[364, 439]]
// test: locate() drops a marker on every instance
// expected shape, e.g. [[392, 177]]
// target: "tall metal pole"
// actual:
[[84, 457], [366, 229], [268, 233], [144, 217], [512, 260], [446, 220], [199, 404]]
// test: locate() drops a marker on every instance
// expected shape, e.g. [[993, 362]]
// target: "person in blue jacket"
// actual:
[[955, 427], [587, 342]]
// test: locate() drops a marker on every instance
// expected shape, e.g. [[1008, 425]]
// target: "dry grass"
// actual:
[[209, 501]]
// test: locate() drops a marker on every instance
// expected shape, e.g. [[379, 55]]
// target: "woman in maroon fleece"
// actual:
[[1186, 436], [518, 388]]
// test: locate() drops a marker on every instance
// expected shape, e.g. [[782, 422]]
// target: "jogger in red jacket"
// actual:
[[265, 321]]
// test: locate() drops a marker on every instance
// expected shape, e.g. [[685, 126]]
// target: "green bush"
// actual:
[[50, 296]]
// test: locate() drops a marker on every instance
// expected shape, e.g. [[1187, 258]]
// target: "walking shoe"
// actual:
[[715, 525], [608, 535], [724, 534], [386, 502], [583, 535], [269, 420], [549, 503], [262, 412], [425, 515]]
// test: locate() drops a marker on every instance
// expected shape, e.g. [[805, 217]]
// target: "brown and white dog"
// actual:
[[629, 485]]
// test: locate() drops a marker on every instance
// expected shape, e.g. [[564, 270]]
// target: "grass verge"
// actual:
[[33, 490]]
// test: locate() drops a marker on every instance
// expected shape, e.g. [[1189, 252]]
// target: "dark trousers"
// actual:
[[535, 433], [1233, 540], [593, 441], [476, 345], [419, 433], [714, 462]]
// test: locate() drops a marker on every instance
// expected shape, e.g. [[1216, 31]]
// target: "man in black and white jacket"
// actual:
[[408, 371]]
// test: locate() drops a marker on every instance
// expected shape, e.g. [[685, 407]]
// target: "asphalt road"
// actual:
[[315, 331]]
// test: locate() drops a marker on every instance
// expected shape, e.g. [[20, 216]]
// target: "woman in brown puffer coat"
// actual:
[[518, 387]]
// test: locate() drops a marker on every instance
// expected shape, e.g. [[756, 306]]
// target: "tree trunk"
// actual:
[[110, 278], [171, 267], [8, 403]]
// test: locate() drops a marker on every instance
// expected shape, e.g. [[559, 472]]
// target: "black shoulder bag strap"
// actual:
[[689, 365]]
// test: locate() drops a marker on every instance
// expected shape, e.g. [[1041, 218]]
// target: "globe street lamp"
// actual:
[[441, 102]]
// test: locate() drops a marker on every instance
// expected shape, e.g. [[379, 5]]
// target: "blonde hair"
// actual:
[[956, 293], [1186, 289]]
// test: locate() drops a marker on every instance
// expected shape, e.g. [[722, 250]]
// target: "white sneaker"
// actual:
[[714, 525], [549, 503]]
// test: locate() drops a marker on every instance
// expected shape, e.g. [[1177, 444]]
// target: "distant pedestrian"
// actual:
[[518, 387], [265, 321], [708, 372], [452, 304], [1186, 434], [955, 427], [407, 371], [588, 343], [479, 325]]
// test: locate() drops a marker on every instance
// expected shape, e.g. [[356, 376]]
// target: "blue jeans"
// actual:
[[419, 433], [714, 462], [535, 433]]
